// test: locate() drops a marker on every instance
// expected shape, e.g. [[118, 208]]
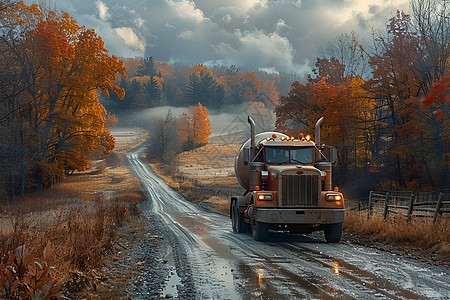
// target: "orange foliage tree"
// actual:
[[63, 66], [381, 130], [194, 127]]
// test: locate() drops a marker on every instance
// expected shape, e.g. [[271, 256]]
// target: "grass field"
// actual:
[[81, 221]]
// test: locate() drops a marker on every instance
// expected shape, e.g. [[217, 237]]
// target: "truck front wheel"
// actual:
[[261, 231], [237, 219], [333, 233]]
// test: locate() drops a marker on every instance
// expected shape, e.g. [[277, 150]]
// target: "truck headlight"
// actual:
[[266, 197], [334, 197]]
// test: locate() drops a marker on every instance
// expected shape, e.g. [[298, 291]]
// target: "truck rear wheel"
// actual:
[[333, 233], [237, 219], [261, 231]]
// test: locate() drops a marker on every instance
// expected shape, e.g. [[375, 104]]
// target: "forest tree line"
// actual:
[[150, 83], [371, 97]]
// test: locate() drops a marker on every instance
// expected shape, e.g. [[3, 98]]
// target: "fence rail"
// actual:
[[408, 204]]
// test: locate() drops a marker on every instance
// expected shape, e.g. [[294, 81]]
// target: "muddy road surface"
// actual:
[[190, 252]]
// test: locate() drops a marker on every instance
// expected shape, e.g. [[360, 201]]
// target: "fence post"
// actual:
[[370, 206], [410, 207], [438, 207], [386, 206]]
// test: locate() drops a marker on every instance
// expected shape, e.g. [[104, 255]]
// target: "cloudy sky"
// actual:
[[273, 35]]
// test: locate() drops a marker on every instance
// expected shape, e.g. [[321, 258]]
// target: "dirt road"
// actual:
[[192, 253]]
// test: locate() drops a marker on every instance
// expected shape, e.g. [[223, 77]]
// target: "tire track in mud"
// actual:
[[362, 278]]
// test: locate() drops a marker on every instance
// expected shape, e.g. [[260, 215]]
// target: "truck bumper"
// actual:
[[300, 216]]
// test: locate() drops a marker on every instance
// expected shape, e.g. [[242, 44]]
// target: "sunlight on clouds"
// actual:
[[130, 38], [186, 10], [102, 10], [356, 8], [252, 3]]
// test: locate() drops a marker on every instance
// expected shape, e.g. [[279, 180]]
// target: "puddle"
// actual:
[[172, 281], [222, 250]]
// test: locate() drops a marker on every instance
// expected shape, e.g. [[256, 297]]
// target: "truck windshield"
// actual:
[[283, 155]]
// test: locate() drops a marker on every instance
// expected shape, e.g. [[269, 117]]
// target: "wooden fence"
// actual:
[[408, 204]]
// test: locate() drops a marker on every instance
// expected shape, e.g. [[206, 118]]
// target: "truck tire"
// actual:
[[333, 233], [237, 219], [261, 231]]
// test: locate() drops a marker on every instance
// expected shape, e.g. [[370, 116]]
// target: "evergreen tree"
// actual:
[[147, 67], [152, 91], [202, 87]]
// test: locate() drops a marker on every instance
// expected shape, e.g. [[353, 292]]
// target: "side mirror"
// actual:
[[246, 155], [333, 155]]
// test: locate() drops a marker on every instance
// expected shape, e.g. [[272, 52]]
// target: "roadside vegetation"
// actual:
[[417, 236], [76, 231], [73, 231]]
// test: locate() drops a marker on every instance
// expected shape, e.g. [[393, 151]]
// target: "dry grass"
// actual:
[[195, 188], [128, 138], [416, 234], [219, 204], [81, 237], [207, 175], [82, 218]]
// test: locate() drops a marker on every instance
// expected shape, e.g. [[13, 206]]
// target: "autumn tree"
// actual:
[[378, 124], [132, 66], [62, 65], [398, 85], [194, 127]]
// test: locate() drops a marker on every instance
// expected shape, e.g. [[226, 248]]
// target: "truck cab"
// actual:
[[288, 187]]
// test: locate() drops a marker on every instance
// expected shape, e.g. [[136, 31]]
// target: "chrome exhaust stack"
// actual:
[[317, 133], [252, 138]]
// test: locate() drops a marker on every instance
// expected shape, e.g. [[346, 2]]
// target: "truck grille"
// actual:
[[299, 190]]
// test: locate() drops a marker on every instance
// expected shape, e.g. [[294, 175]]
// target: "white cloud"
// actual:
[[185, 35], [353, 9], [269, 70], [266, 51], [226, 18], [280, 25], [130, 38], [102, 10], [186, 10]]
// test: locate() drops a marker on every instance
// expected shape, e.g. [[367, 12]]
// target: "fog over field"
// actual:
[[231, 122]]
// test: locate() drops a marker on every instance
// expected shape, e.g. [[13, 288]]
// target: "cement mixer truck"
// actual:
[[288, 186]]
